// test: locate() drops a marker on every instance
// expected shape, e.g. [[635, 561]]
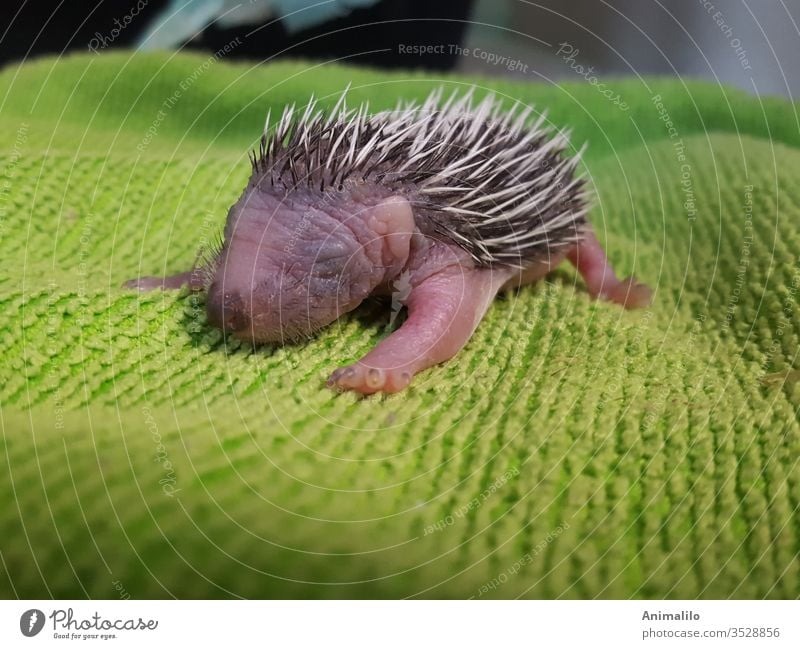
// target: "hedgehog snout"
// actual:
[[226, 310]]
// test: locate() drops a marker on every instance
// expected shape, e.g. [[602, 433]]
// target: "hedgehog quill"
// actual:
[[455, 200]]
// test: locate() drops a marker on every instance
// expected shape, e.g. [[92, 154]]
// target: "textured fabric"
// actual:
[[572, 450]]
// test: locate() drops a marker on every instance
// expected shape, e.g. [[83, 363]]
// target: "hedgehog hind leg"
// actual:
[[602, 282], [443, 312], [189, 278]]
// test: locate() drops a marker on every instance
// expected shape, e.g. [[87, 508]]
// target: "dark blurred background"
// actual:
[[753, 45]]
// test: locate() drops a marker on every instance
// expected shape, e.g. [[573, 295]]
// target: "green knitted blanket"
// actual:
[[572, 450]]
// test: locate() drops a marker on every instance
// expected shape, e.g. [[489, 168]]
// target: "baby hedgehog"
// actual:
[[441, 205]]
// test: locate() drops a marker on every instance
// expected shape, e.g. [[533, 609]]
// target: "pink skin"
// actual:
[[446, 306], [447, 299], [590, 260], [443, 312], [190, 278]]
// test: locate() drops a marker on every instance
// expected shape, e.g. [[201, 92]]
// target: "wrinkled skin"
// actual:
[[293, 263]]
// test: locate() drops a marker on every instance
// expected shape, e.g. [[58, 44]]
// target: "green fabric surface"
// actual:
[[571, 450]]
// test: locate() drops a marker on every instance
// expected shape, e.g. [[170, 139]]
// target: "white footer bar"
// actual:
[[400, 624]]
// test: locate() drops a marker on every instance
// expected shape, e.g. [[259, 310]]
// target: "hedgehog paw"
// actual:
[[368, 380], [630, 294], [149, 283]]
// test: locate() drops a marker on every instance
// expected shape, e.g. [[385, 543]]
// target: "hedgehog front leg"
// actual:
[[443, 312], [190, 278], [590, 259]]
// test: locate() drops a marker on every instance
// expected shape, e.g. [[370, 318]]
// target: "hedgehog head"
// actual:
[[287, 267]]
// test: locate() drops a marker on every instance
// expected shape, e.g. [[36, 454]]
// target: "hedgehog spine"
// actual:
[[504, 192]]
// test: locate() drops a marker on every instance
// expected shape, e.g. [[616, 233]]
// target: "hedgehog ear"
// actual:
[[393, 219]]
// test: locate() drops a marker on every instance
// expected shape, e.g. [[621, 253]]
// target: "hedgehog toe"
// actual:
[[631, 294], [369, 380]]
